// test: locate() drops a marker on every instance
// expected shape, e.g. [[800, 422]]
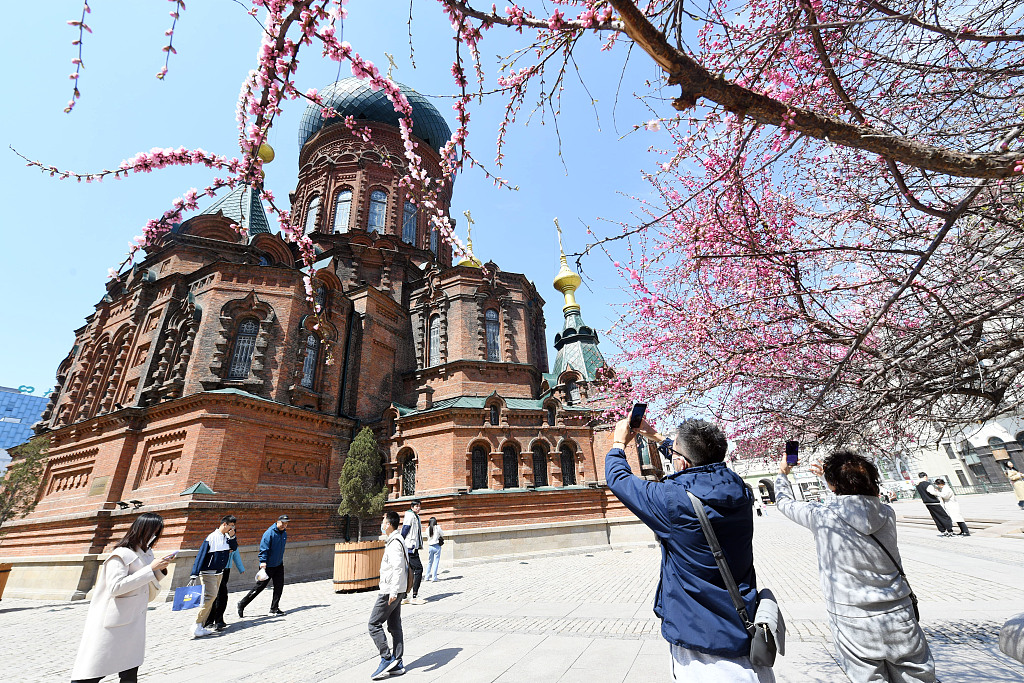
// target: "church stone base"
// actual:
[[71, 577]]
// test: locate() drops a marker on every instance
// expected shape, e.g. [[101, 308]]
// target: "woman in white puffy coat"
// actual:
[[115, 627], [949, 502]]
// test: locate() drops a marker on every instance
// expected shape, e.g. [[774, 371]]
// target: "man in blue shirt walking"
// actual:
[[271, 559]]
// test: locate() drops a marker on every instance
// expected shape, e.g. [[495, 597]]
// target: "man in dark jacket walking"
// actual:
[[706, 636], [211, 559], [271, 559], [930, 497]]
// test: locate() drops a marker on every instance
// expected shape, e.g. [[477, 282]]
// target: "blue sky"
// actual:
[[60, 237]]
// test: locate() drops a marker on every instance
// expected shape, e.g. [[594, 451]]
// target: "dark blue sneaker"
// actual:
[[399, 669], [386, 665]]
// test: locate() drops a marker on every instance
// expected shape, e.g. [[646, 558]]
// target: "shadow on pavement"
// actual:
[[435, 660], [441, 596], [15, 609], [257, 620]]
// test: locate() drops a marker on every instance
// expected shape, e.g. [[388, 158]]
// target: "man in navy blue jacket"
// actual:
[[271, 559], [706, 636], [211, 559]]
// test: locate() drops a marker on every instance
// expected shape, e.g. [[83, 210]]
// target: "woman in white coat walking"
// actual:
[[115, 628], [949, 502]]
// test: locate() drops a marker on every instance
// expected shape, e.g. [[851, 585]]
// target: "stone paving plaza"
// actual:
[[576, 617]]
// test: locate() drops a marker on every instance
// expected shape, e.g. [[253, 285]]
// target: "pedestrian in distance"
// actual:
[[435, 537], [708, 640], [115, 627], [930, 497], [758, 504], [1017, 479], [271, 559], [870, 606], [209, 568], [412, 532], [394, 579], [952, 506]]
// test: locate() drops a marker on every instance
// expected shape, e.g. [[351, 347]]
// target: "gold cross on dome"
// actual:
[[391, 63], [469, 226], [558, 229]]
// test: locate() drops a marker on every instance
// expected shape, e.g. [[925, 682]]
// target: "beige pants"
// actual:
[[211, 584]]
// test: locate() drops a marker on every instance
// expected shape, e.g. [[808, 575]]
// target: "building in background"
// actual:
[[206, 383], [18, 412]]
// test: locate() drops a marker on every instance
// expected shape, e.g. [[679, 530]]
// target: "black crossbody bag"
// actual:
[[765, 642]]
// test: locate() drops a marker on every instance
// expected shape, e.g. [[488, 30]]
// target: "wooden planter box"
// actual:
[[357, 565], [5, 573]]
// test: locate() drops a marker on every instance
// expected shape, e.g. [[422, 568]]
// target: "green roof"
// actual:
[[198, 487], [577, 346], [243, 207], [472, 402]]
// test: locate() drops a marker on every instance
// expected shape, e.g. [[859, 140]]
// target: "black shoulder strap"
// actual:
[[885, 550], [723, 566]]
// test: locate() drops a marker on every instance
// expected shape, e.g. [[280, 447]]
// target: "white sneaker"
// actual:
[[199, 631]]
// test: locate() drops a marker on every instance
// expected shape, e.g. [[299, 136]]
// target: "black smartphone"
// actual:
[[636, 415], [792, 452]]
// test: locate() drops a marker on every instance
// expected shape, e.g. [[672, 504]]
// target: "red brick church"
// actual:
[[198, 386]]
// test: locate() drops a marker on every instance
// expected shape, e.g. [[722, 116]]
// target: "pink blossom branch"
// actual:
[[77, 61], [168, 49]]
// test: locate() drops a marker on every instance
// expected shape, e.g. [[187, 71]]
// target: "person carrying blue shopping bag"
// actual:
[[187, 597]]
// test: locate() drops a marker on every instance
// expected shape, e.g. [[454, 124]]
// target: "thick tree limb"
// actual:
[[697, 82]]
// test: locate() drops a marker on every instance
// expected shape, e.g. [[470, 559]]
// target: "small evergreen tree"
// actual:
[[362, 494], [19, 487]]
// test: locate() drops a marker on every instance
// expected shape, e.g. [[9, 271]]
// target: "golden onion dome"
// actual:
[[566, 281]]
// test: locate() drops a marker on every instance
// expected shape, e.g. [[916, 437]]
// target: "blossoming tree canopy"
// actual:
[[833, 245]]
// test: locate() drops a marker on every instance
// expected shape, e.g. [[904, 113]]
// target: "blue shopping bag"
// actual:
[[187, 597]]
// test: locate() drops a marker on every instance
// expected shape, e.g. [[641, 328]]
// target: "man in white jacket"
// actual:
[[394, 573]]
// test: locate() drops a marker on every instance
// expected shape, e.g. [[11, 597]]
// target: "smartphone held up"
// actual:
[[636, 415], [792, 453]]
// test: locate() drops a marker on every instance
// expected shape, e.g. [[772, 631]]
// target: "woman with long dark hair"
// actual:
[[871, 609], [115, 628], [435, 537]]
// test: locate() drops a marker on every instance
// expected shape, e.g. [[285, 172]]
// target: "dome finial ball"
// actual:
[[265, 153]]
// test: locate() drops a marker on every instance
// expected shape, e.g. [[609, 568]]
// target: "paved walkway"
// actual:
[[582, 617]]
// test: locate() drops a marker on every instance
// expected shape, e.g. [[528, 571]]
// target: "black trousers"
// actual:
[[275, 574], [964, 531], [126, 676], [941, 519], [417, 571], [220, 603], [392, 614]]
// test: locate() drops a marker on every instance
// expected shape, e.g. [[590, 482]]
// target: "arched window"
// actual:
[[433, 241], [342, 210], [551, 416], [568, 467], [995, 442], [434, 342], [573, 390], [245, 344], [491, 328], [494, 416], [409, 476], [264, 260], [309, 363], [312, 214], [320, 296], [479, 468], [378, 211], [510, 467], [409, 223], [540, 465]]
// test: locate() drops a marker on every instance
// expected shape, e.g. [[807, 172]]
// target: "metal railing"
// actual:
[[963, 490]]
